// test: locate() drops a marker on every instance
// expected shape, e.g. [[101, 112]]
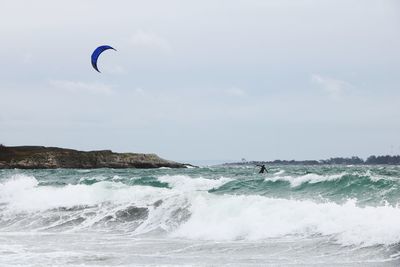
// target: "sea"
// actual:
[[207, 216]]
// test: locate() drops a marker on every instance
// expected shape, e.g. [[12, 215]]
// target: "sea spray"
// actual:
[[256, 218]]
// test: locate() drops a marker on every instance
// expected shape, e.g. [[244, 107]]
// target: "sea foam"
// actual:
[[186, 183], [307, 178], [256, 217], [187, 210]]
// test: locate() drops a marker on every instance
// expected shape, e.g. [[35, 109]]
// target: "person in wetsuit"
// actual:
[[263, 169]]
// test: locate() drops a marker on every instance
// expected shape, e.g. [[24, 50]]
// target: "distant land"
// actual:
[[40, 157], [371, 160]]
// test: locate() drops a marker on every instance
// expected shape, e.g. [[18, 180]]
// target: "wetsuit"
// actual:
[[263, 169]]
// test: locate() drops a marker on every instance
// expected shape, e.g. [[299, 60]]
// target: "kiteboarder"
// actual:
[[263, 169]]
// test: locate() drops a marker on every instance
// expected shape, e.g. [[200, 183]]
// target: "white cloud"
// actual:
[[333, 87], [139, 91], [150, 40], [77, 86], [234, 91], [27, 58], [115, 69]]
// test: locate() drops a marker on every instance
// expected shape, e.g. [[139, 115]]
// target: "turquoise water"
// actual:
[[293, 215]]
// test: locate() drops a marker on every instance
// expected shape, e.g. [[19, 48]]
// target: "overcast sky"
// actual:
[[195, 80]]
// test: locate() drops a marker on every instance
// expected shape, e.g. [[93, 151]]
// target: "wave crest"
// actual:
[[187, 210]]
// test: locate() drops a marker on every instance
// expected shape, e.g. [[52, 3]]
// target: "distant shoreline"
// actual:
[[40, 157], [371, 160]]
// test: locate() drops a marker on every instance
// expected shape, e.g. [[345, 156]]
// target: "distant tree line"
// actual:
[[371, 160], [347, 161], [393, 160]]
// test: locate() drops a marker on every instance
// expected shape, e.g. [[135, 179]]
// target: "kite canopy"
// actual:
[[96, 53]]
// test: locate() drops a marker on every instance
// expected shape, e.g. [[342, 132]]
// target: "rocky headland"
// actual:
[[40, 157]]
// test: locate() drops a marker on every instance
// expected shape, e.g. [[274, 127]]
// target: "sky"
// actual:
[[203, 80]]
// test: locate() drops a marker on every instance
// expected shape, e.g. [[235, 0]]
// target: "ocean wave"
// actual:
[[186, 210], [24, 204], [23, 192], [256, 217], [186, 183], [280, 172], [313, 178], [307, 178]]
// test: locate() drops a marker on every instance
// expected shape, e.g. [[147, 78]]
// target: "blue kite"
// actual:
[[96, 53]]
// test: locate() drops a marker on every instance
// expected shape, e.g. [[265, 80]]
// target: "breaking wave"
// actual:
[[186, 209]]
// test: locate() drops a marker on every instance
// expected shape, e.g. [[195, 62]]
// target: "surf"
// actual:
[[187, 208]]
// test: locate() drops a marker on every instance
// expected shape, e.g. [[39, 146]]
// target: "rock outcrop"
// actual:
[[40, 157]]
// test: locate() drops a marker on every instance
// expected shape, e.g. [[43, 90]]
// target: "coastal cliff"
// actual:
[[40, 157]]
